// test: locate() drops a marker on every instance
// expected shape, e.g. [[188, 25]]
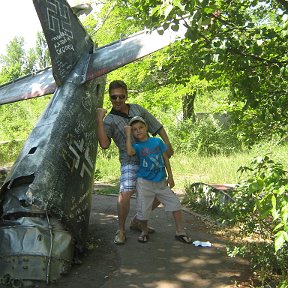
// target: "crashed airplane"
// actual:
[[45, 199]]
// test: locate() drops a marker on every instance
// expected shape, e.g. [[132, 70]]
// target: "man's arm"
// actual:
[[170, 180], [129, 149], [166, 140], [102, 136]]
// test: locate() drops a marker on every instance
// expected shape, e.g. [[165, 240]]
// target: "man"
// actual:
[[112, 127]]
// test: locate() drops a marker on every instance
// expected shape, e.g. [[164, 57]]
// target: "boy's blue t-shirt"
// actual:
[[151, 165]]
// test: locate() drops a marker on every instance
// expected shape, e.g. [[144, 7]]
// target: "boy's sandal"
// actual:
[[143, 238], [183, 239], [136, 226]]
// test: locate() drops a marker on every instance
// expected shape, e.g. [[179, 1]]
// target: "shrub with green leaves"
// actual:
[[261, 211], [206, 137]]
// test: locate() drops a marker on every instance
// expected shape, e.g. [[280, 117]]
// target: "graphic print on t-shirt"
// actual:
[[151, 161]]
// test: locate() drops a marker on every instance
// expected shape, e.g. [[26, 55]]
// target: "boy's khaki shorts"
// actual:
[[148, 190]]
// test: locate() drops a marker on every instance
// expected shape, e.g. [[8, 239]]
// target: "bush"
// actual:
[[9, 151], [206, 136], [260, 211]]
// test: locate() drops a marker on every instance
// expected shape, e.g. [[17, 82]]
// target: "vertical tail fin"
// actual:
[[65, 36]]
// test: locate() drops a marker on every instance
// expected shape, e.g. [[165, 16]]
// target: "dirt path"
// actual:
[[163, 262]]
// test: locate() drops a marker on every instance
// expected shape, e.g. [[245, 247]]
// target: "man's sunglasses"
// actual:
[[114, 97]]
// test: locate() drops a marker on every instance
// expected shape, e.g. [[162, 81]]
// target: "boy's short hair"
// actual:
[[136, 119], [117, 84]]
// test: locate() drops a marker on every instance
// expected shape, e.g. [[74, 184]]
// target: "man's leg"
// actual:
[[127, 188], [156, 203], [123, 206]]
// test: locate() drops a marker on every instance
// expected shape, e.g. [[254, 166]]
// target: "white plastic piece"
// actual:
[[202, 244]]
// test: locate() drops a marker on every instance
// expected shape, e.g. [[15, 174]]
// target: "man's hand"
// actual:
[[169, 150], [100, 114]]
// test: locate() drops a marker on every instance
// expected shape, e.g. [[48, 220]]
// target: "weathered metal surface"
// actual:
[[43, 250], [31, 86], [102, 61], [52, 179], [108, 58], [45, 199], [68, 40]]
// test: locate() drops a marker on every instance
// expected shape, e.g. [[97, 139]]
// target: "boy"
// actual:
[[151, 177]]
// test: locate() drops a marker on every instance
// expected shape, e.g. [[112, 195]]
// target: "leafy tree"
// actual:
[[147, 79], [241, 45], [13, 62], [42, 55]]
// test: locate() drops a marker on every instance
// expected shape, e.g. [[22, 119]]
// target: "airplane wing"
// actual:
[[35, 85], [102, 61], [117, 54]]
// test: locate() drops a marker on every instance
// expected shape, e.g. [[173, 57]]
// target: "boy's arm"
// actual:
[[102, 136], [129, 149], [170, 179]]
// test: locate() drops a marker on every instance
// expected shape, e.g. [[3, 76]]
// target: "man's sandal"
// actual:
[[120, 237]]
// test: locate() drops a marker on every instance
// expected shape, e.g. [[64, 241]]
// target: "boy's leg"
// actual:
[[178, 222], [135, 224], [144, 236], [180, 234], [145, 198], [172, 204]]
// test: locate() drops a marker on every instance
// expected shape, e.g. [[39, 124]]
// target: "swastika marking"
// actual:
[[58, 17], [79, 151]]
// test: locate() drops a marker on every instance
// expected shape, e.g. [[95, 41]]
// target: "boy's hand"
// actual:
[[100, 113], [127, 129], [170, 182]]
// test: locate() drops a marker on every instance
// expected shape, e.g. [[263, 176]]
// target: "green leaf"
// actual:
[[168, 10], [274, 211], [155, 10], [177, 3], [280, 239], [160, 31], [284, 213], [175, 27]]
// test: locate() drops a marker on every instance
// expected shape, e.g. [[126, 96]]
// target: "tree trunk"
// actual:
[[188, 106]]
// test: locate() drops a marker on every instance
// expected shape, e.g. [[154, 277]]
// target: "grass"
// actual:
[[187, 168], [190, 168]]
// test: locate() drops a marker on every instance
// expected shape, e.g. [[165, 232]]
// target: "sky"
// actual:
[[18, 18]]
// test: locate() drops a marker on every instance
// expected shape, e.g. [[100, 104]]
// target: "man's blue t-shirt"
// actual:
[[151, 164]]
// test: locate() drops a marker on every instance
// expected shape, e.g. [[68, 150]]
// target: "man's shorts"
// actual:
[[146, 193], [128, 177]]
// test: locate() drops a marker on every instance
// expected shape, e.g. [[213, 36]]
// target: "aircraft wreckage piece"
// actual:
[[103, 60], [45, 199]]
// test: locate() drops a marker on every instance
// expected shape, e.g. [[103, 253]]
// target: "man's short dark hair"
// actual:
[[117, 84]]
